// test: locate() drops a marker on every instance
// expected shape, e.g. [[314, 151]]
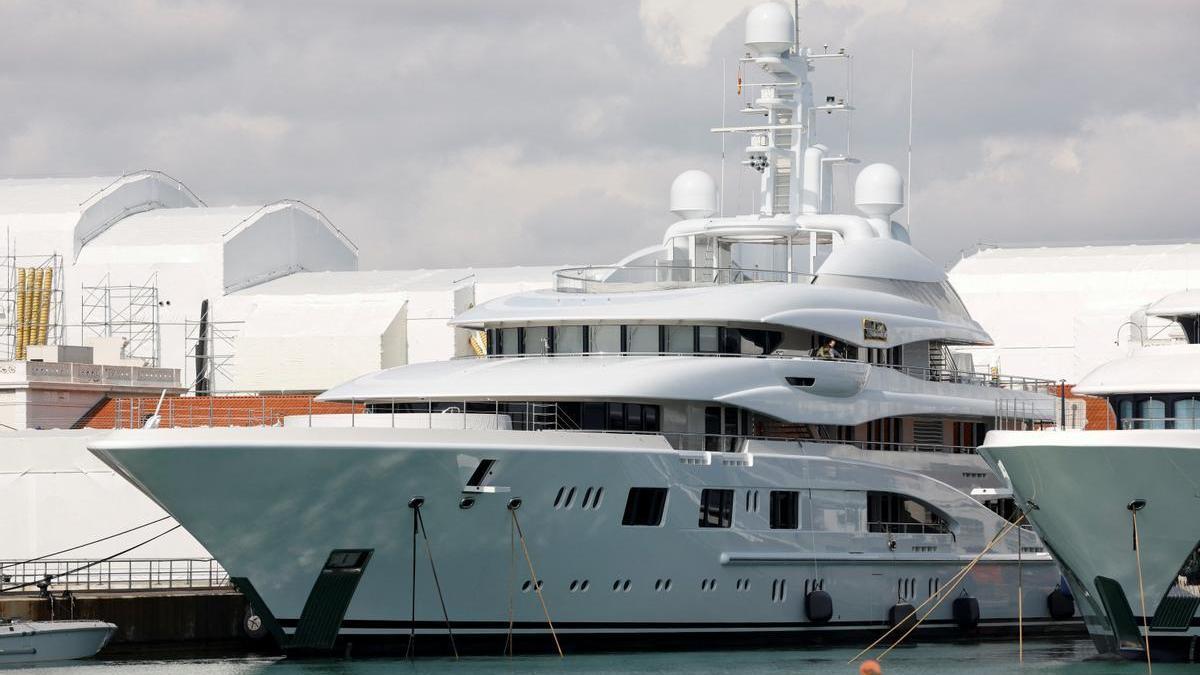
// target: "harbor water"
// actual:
[[1077, 657]]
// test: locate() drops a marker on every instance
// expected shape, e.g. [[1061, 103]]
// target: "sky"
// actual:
[[454, 133]]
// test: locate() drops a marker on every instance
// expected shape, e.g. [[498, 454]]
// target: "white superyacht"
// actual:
[[1118, 508], [683, 448]]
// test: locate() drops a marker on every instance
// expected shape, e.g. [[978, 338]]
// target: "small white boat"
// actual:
[[25, 642]]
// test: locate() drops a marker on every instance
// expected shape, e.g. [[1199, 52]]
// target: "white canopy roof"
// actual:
[[1156, 370], [1183, 303]]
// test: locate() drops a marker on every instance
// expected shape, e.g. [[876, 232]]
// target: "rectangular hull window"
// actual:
[[644, 506], [716, 508], [785, 509]]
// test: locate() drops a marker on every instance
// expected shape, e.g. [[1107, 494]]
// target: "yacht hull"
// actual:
[[1082, 484], [272, 504]]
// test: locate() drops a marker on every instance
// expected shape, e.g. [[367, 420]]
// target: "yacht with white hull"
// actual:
[[1117, 508], [681, 448]]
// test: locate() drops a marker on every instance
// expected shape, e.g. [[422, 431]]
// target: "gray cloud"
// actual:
[[459, 132]]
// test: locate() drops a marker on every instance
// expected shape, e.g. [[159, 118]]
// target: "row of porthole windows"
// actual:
[[905, 587], [565, 498], [779, 590]]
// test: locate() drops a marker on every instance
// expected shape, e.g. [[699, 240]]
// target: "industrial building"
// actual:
[[153, 290], [1057, 312]]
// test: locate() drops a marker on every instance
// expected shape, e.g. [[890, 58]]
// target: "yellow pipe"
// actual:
[[44, 319], [35, 307], [20, 313], [31, 308]]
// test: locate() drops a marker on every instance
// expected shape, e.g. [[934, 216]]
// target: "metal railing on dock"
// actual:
[[127, 574]]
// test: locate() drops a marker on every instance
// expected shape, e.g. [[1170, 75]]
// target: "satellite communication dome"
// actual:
[[693, 195], [770, 29], [879, 191]]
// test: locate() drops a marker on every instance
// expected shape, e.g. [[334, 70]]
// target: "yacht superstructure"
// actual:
[[1117, 507], [687, 446]]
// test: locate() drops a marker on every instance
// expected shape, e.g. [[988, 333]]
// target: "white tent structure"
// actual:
[[1058, 312], [305, 332]]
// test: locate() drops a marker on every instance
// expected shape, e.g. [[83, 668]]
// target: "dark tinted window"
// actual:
[[633, 417], [650, 418], [891, 512], [716, 508], [785, 509], [645, 506], [616, 416]]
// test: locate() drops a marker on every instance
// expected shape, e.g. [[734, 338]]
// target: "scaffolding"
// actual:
[[129, 312], [208, 357], [31, 303]]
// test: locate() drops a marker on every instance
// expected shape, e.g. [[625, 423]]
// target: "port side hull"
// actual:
[[271, 504], [1082, 484]]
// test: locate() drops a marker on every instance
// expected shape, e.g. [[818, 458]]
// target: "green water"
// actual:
[[1066, 656]]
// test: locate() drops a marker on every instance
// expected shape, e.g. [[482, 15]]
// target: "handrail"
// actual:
[[120, 574], [948, 375], [1151, 423], [528, 416], [597, 278]]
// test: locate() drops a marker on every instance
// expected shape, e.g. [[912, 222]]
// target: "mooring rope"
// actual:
[[50, 577], [1141, 591], [94, 541], [537, 585], [437, 584], [941, 594]]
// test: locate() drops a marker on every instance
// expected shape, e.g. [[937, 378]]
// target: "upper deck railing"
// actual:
[[950, 376], [632, 278]]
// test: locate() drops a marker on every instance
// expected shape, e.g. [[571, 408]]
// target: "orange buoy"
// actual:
[[870, 667]]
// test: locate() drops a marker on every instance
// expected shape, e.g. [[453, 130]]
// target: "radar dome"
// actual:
[[879, 191], [770, 29], [693, 195]]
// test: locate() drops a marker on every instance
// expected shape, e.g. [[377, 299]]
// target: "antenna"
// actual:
[[912, 66], [796, 24], [724, 106]]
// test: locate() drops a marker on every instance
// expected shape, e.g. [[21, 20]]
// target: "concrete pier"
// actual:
[[200, 620]]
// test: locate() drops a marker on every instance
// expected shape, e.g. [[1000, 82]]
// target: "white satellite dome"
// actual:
[[879, 191], [693, 195], [770, 29]]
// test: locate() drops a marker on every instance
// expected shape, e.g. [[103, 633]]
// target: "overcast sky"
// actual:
[[448, 132]]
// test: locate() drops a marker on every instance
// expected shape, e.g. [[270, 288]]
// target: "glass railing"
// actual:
[[634, 278], [1160, 423], [947, 375]]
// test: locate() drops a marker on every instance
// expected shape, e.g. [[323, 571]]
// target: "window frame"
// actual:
[[784, 503], [716, 508], [641, 500]]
